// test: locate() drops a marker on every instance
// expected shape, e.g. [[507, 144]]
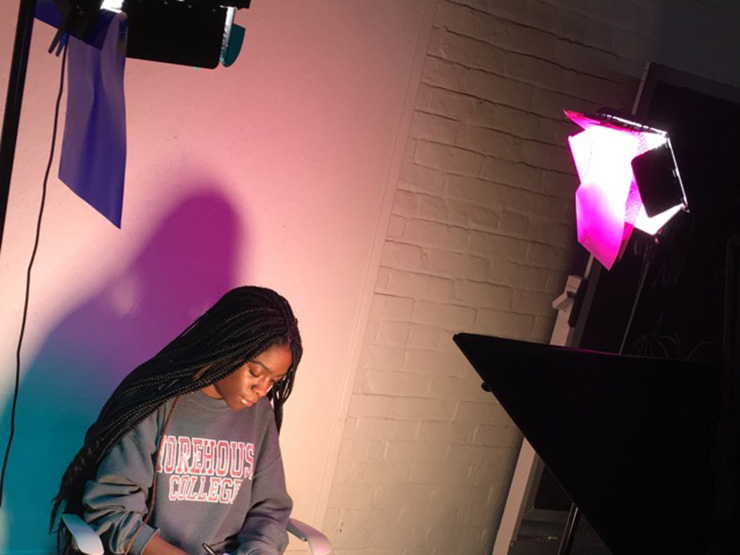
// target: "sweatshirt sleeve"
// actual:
[[265, 528], [115, 501]]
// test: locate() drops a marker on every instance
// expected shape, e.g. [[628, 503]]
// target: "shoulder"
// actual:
[[263, 413]]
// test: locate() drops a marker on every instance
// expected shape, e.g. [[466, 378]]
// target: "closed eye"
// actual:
[[260, 372]]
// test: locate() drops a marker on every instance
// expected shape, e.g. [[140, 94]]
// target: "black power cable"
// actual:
[[28, 274]]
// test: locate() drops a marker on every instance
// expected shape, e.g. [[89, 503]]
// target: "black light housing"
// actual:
[[196, 33], [177, 32]]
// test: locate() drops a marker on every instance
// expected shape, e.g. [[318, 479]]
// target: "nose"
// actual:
[[263, 387]]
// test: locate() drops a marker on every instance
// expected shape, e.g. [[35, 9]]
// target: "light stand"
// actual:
[[14, 99]]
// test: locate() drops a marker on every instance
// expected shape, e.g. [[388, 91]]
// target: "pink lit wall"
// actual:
[[276, 172]]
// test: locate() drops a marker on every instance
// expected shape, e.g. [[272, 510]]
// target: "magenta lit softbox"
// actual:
[[608, 201]]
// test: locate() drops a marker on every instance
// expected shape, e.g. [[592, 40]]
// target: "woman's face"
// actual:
[[249, 383]]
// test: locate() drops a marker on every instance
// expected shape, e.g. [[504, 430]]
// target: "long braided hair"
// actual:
[[242, 324]]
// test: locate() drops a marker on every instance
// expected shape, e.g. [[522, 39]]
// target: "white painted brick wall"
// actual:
[[480, 240]]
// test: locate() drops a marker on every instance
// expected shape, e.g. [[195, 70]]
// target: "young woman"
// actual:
[[185, 451]]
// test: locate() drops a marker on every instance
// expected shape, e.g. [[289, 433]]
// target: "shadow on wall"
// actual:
[[186, 266]]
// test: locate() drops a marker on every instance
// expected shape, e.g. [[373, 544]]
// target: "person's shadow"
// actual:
[[185, 267]]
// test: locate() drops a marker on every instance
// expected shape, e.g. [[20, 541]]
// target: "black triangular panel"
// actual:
[[629, 439]]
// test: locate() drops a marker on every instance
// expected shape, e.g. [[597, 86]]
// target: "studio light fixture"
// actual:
[[628, 178], [197, 33], [97, 36]]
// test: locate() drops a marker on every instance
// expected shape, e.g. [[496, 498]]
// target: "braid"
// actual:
[[243, 323]]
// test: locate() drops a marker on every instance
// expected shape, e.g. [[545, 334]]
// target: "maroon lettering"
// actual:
[[183, 454]]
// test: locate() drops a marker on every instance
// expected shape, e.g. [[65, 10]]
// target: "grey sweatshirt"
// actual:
[[219, 480]]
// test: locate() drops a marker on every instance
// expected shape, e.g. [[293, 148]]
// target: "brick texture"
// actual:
[[480, 240]]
